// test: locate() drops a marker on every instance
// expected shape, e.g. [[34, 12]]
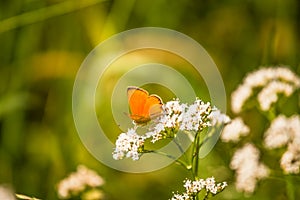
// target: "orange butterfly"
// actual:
[[143, 106]]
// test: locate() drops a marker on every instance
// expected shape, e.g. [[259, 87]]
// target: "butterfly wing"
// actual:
[[142, 106], [137, 99], [153, 106]]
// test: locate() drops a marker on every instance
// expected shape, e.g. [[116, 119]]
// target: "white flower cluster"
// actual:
[[78, 181], [234, 130], [192, 188], [264, 84], [170, 119], [248, 168], [272, 81], [128, 145], [285, 131], [194, 117], [175, 116], [290, 160], [268, 94]]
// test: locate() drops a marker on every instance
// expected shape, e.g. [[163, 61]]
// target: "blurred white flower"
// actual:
[[216, 117], [286, 75], [128, 145], [249, 170], [282, 131], [6, 193], [239, 97], [262, 76], [259, 77], [269, 94], [272, 80], [290, 160], [234, 130], [192, 188], [78, 181], [285, 131]]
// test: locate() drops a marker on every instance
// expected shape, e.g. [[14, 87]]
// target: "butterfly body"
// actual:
[[143, 106]]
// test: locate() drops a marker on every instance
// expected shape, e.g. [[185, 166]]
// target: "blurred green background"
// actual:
[[44, 42]]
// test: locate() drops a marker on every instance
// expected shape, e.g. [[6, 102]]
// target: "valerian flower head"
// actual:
[[129, 145], [271, 81], [248, 168], [269, 94], [290, 160], [284, 131], [196, 116], [233, 131], [170, 119], [77, 181], [192, 188], [178, 116]]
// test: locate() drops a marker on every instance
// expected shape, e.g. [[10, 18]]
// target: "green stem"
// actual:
[[196, 149], [175, 140], [276, 178], [178, 144], [204, 141], [288, 179], [195, 155], [270, 114], [290, 189], [178, 161], [206, 196]]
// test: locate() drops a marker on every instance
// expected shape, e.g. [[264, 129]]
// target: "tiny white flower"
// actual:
[[196, 116], [210, 185], [249, 170], [185, 117], [216, 117], [128, 144], [183, 196], [239, 97], [269, 94], [259, 77], [234, 130], [77, 181], [188, 186], [171, 117], [283, 130], [287, 75], [194, 187], [290, 160]]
